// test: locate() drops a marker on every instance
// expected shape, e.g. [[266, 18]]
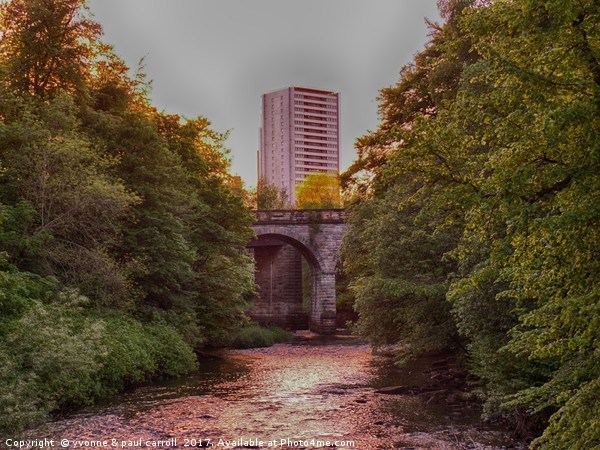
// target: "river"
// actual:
[[309, 394]]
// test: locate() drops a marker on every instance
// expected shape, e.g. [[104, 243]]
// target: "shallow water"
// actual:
[[310, 394]]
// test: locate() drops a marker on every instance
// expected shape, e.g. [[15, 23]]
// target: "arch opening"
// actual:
[[267, 239], [286, 271]]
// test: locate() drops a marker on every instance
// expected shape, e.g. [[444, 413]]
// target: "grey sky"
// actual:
[[216, 58]]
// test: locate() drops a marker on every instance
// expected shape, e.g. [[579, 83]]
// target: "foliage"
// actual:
[[424, 87], [545, 146], [270, 197], [58, 354], [139, 352], [74, 203], [398, 276], [253, 335], [318, 191], [132, 206], [121, 230], [48, 368], [402, 223], [491, 137], [344, 299], [47, 46]]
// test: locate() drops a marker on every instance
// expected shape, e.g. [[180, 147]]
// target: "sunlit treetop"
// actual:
[[47, 44], [318, 191]]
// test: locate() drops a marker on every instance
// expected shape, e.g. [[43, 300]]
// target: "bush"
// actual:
[[279, 334], [137, 353], [253, 335], [172, 356], [51, 357], [18, 292], [57, 354]]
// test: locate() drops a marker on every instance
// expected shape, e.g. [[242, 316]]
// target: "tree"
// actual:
[[403, 220], [424, 87], [171, 227], [395, 258], [507, 158], [122, 233], [184, 239], [47, 46], [318, 191], [270, 197], [539, 86], [69, 205]]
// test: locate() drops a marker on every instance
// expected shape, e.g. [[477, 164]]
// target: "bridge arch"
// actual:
[[312, 257], [282, 238]]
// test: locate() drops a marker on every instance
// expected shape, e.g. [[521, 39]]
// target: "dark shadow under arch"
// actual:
[[307, 253]]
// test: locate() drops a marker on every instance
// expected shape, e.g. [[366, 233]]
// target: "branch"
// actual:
[[559, 185]]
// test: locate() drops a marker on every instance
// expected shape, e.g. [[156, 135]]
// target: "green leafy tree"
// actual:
[[185, 238], [545, 75], [75, 203], [424, 87], [121, 230], [398, 275], [270, 197], [507, 158], [403, 218], [219, 225]]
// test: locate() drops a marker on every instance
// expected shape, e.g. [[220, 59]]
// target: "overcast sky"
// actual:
[[215, 58]]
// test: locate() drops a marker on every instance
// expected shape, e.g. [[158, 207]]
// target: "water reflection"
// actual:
[[314, 390]]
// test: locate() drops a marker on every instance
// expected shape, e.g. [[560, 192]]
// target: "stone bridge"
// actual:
[[283, 237]]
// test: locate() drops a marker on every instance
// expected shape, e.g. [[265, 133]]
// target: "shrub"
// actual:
[[58, 354], [50, 360], [253, 335]]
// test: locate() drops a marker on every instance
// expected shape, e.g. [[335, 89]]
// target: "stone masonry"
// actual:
[[279, 278], [282, 236]]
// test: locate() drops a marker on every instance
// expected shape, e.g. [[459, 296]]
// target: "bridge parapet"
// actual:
[[299, 216]]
